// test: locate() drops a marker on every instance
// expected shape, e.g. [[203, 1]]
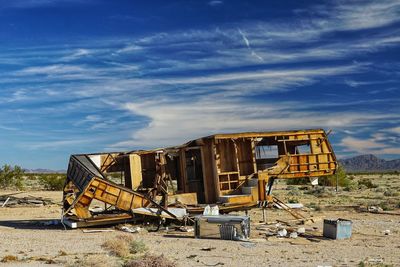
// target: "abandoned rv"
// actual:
[[234, 171]]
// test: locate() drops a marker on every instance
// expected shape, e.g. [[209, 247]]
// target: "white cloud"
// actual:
[[77, 54], [215, 2], [50, 70]]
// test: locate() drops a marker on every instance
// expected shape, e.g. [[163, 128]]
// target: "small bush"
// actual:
[[294, 192], [351, 187], [340, 177], [150, 261], [366, 183], [119, 246], [385, 206], [9, 258], [299, 181], [95, 261], [293, 200], [314, 206], [137, 246], [320, 191], [53, 182], [11, 177], [390, 193]]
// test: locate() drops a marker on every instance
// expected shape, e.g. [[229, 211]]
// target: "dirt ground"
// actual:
[[24, 233]]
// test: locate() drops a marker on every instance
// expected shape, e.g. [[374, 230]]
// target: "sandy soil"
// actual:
[[24, 234]]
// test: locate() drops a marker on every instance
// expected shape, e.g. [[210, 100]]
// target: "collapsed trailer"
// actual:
[[234, 171]]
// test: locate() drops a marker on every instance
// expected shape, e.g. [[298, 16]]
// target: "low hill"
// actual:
[[369, 163]]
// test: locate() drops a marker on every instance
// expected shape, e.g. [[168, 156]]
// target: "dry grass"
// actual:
[[99, 260], [137, 246], [9, 258], [118, 246], [124, 245], [149, 260]]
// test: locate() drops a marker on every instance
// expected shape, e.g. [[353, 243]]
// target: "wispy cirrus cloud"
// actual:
[[168, 87]]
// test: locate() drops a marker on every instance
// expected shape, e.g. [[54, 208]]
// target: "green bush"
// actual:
[[339, 176], [52, 182], [137, 246], [330, 180], [390, 193], [298, 181], [367, 183], [11, 177]]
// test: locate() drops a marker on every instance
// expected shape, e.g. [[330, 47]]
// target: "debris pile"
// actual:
[[283, 231], [10, 200]]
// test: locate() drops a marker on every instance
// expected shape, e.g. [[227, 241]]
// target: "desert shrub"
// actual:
[[9, 258], [351, 187], [124, 245], [313, 206], [294, 192], [299, 181], [385, 205], [379, 189], [320, 191], [390, 193], [366, 183], [99, 260], [339, 176], [52, 181], [137, 246], [293, 200], [149, 260], [119, 246], [11, 177]]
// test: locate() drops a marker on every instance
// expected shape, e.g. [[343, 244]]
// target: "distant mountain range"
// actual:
[[44, 171], [369, 163], [362, 163]]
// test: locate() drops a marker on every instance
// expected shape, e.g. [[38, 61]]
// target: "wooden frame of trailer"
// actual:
[[234, 171]]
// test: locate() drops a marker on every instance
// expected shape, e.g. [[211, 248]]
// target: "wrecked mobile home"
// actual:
[[234, 171]]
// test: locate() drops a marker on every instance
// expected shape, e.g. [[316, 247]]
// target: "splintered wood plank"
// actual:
[[136, 170]]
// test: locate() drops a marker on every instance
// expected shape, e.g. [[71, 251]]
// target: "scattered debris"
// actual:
[[191, 256], [386, 232], [375, 209], [97, 231], [10, 201], [301, 230], [293, 235], [248, 244], [129, 229], [282, 233], [185, 229], [208, 248]]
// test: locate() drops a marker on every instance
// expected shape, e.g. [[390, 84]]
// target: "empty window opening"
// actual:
[[266, 152]]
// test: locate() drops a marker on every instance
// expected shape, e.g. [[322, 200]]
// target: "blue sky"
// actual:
[[88, 76]]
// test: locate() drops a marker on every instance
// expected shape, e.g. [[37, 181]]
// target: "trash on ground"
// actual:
[[86, 231], [337, 228], [228, 227], [129, 229]]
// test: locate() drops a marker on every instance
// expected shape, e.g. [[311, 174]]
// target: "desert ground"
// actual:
[[28, 238]]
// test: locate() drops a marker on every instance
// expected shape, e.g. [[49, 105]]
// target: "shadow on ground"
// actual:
[[32, 224]]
